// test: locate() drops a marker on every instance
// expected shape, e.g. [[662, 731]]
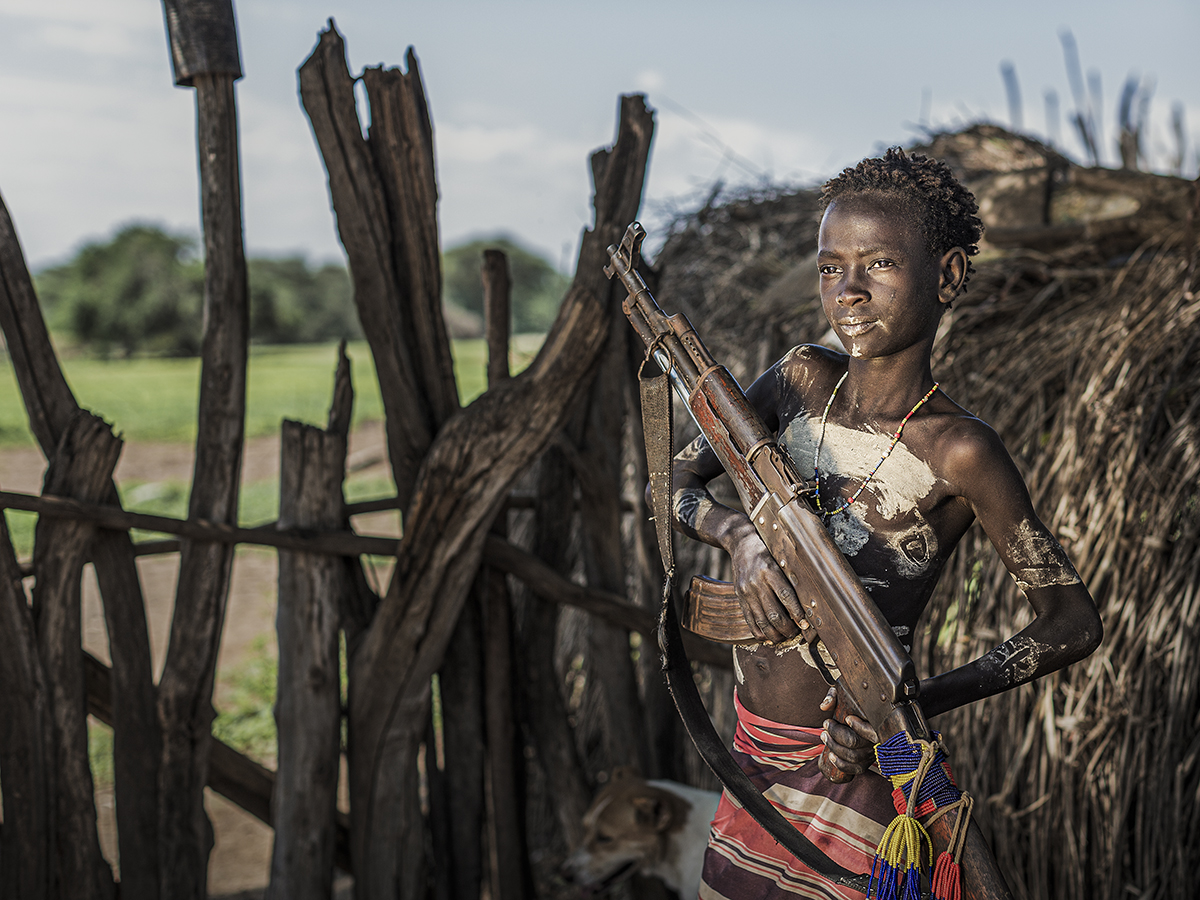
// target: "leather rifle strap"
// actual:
[[657, 426]]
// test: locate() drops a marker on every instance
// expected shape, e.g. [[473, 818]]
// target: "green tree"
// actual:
[[143, 290], [537, 287], [291, 303]]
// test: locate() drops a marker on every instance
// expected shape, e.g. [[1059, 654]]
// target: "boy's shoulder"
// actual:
[[808, 365], [801, 379], [961, 447], [814, 356]]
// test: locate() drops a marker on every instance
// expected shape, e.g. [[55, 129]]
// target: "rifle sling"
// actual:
[[658, 431]]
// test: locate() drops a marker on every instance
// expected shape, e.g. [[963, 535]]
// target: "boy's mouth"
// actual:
[[856, 327]]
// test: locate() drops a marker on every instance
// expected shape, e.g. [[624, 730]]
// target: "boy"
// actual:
[[902, 471]]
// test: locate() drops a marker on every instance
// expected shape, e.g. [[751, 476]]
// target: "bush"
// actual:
[[537, 287], [293, 304], [143, 292]]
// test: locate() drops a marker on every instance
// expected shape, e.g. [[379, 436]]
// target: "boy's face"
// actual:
[[881, 288]]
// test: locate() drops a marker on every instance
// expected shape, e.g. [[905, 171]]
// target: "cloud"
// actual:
[[115, 29], [649, 81], [515, 178], [693, 151], [83, 160]]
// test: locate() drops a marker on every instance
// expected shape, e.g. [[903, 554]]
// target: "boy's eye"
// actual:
[[882, 264], [827, 270]]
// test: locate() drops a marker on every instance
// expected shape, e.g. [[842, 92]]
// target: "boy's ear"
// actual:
[[953, 274]]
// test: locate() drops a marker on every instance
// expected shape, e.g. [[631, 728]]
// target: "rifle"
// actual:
[[876, 679]]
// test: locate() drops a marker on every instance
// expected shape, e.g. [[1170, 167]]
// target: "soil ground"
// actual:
[[240, 863]]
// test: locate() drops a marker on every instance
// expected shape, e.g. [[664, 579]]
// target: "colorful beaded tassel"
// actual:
[[921, 786], [947, 876]]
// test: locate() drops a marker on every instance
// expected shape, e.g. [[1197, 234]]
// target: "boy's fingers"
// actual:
[[780, 622], [830, 700], [855, 749], [763, 621], [765, 615], [787, 596], [863, 728], [839, 765]]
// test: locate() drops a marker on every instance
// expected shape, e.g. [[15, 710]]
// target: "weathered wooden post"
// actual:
[[470, 465], [204, 53], [512, 878], [28, 861], [308, 700], [478, 794], [81, 468]]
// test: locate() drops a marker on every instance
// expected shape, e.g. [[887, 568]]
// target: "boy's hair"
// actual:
[[947, 210]]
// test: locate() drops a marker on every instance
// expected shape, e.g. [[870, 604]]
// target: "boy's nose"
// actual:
[[852, 292]]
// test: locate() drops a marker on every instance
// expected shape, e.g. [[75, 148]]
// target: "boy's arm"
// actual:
[[1066, 625], [761, 586]]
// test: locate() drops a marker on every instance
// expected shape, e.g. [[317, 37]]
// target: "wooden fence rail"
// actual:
[[543, 580]]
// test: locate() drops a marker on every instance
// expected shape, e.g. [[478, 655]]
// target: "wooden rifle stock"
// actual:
[[876, 679]]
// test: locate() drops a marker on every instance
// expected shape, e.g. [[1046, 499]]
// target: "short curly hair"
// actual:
[[947, 210]]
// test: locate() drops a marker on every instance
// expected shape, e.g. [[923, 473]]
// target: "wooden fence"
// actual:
[[454, 827]]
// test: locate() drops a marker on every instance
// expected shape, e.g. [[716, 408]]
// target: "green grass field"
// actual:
[[154, 399]]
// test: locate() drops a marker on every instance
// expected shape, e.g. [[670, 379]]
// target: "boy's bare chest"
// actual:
[[896, 532], [896, 535]]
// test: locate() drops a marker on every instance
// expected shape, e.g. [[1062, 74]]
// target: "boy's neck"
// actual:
[[884, 387]]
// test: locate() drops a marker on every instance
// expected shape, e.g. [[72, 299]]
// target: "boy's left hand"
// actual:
[[849, 746]]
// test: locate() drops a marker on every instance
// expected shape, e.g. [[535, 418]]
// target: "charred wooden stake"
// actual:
[[82, 466], [52, 407], [512, 878], [204, 51], [26, 761], [308, 700]]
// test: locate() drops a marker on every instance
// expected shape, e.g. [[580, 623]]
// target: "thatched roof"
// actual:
[[1079, 340]]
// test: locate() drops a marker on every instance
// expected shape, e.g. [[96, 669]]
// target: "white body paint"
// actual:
[[897, 489], [1020, 656], [1039, 560]]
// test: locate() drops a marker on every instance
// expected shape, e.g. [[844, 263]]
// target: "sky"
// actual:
[[94, 134]]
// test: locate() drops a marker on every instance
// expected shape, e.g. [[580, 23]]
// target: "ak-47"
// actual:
[[877, 680]]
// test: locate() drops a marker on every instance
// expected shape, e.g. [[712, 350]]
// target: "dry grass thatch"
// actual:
[[1089, 368], [1092, 376]]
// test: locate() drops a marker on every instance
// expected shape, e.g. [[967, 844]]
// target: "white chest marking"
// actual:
[[898, 488]]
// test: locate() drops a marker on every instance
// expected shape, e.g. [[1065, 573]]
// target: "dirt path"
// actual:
[[240, 863]]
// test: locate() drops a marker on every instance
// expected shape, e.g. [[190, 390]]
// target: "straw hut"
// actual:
[[1079, 341]]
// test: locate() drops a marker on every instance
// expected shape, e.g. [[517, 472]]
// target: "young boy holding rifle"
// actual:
[[901, 472]]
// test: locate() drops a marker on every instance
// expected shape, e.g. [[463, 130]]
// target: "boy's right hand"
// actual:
[[849, 742], [768, 601]]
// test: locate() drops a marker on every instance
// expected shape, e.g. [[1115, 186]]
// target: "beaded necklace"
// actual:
[[891, 446]]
